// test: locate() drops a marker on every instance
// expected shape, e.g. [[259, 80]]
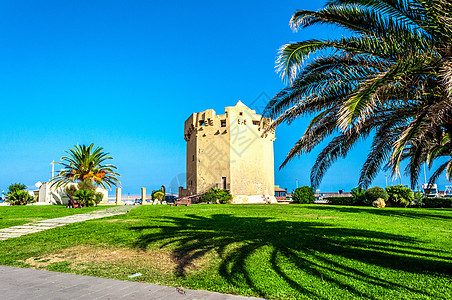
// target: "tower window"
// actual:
[[201, 123], [223, 123], [193, 158], [241, 113], [256, 122], [223, 182]]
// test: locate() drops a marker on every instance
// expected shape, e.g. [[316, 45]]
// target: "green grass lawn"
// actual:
[[272, 251], [18, 215]]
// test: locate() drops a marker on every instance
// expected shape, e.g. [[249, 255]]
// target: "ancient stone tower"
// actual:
[[229, 152]]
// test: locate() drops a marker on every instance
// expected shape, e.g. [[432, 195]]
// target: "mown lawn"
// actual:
[[272, 251], [18, 215]]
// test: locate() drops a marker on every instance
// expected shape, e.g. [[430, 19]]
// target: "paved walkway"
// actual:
[[17, 283], [16, 231]]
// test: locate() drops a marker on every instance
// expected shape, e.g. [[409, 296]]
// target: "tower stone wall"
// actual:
[[229, 151]]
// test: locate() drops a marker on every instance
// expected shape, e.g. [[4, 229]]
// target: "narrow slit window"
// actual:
[[223, 123]]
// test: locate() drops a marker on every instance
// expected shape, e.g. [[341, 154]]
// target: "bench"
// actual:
[[183, 201], [73, 203]]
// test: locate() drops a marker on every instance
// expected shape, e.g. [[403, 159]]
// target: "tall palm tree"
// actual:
[[85, 164], [390, 78]]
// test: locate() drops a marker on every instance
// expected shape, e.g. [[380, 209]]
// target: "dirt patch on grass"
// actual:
[[40, 262], [84, 257]]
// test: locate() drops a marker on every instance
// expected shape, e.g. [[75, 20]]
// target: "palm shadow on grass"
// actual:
[[291, 248], [427, 213]]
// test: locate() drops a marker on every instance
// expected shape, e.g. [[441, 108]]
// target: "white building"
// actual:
[[49, 195]]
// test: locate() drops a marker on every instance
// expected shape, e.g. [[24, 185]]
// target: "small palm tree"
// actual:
[[390, 78], [85, 164]]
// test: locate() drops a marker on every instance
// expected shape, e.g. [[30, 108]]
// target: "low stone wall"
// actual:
[[253, 199]]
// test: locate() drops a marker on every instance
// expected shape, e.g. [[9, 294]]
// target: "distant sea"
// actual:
[[132, 196]]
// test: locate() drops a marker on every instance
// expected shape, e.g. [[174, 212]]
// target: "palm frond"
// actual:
[[85, 163], [390, 78]]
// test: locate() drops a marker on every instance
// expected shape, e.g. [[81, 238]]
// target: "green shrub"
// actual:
[[224, 196], [304, 195], [374, 193], [214, 194], [85, 197], [16, 187], [208, 197], [418, 198], [437, 202], [359, 196], [20, 198], [16, 195], [98, 198], [399, 195], [341, 200]]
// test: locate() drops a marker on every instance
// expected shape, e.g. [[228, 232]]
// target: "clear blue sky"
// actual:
[[125, 75]]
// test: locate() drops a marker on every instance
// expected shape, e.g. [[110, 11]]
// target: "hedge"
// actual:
[[437, 202], [341, 200]]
